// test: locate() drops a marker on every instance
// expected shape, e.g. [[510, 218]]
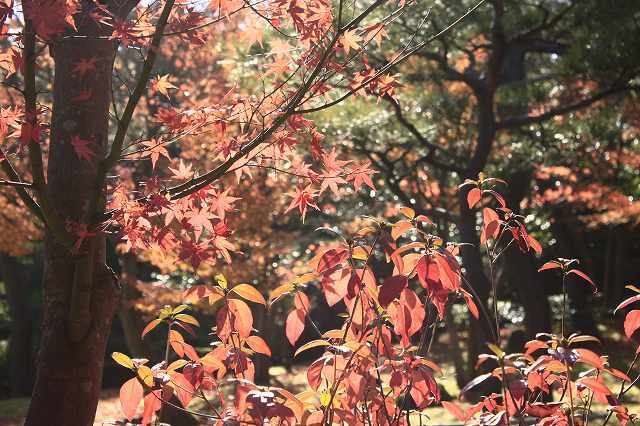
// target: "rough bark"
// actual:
[[80, 292], [17, 284]]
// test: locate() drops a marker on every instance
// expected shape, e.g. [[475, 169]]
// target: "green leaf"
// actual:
[[496, 350]]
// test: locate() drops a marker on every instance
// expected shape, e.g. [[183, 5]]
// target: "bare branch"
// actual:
[[510, 123], [145, 74], [24, 195], [429, 158]]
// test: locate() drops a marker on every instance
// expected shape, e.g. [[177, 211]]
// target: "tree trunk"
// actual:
[[17, 283], [456, 351], [572, 244], [80, 291], [521, 269], [471, 251], [477, 279]]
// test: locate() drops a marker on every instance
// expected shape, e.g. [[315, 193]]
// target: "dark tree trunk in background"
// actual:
[[467, 224], [456, 351], [477, 279], [263, 321], [17, 284], [130, 318], [521, 267], [71, 356], [579, 292]]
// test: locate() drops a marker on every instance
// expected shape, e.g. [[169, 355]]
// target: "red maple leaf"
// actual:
[[81, 147], [154, 149], [361, 175], [84, 66], [222, 202], [302, 199]]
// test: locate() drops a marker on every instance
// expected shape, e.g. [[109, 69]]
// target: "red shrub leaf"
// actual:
[[391, 289], [131, 394], [632, 323]]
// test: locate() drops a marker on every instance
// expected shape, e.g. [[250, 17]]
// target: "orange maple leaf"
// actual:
[[350, 40], [162, 84]]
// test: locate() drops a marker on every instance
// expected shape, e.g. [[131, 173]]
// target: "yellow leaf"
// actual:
[[179, 309], [162, 84], [122, 359], [250, 293], [350, 40], [367, 230], [400, 228], [187, 319], [145, 374], [310, 345], [360, 253], [221, 280], [496, 350], [305, 278], [325, 398], [333, 334], [279, 292]]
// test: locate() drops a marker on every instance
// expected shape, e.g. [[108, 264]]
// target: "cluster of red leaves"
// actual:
[[560, 384], [375, 364], [557, 375], [371, 363]]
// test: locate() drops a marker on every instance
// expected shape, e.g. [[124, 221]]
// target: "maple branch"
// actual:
[[15, 183], [202, 181], [394, 62], [24, 195], [132, 103], [433, 148], [566, 109]]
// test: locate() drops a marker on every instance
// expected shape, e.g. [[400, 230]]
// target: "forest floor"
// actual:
[[12, 411]]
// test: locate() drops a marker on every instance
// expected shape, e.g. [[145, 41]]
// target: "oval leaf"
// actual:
[[595, 385], [250, 293], [584, 277], [131, 394], [122, 359], [627, 302], [257, 344], [310, 345], [475, 382], [632, 323], [187, 319], [473, 197], [153, 324]]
